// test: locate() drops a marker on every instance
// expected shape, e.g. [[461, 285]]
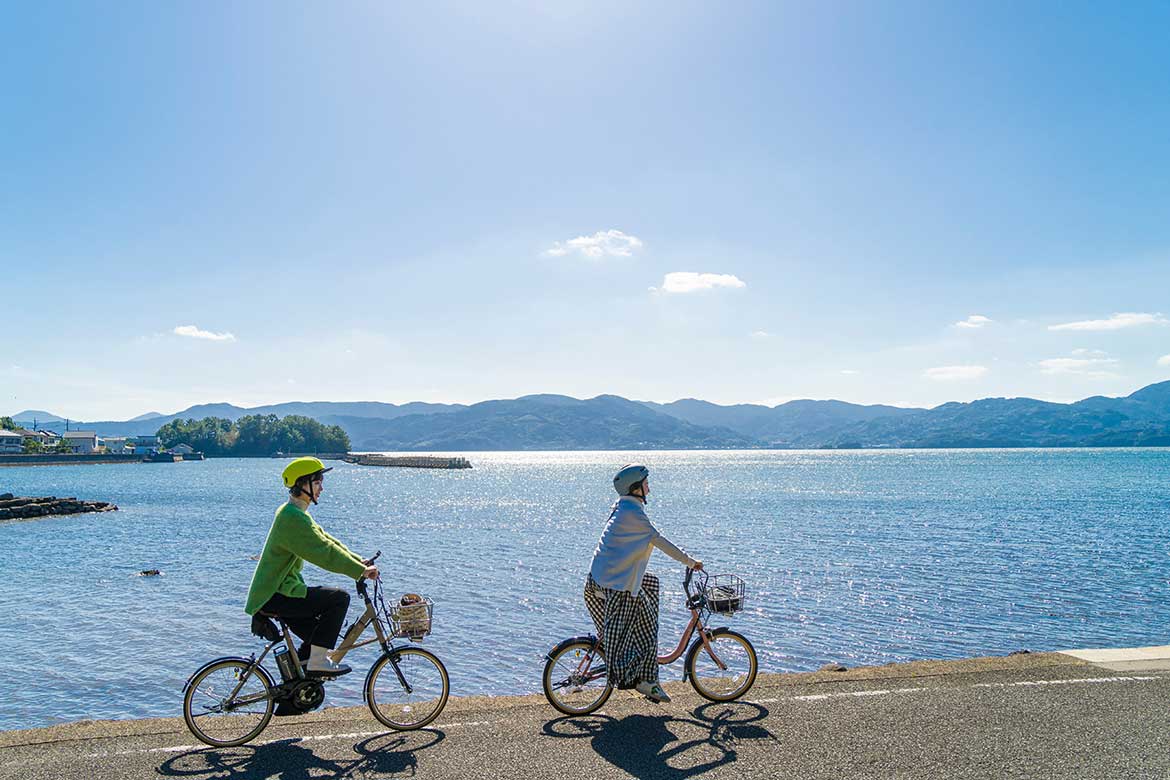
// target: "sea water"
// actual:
[[859, 557]]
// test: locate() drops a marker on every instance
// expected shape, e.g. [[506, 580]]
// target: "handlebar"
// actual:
[[361, 583], [694, 600]]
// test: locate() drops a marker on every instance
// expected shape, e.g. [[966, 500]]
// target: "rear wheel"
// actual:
[[732, 675], [419, 701], [228, 702], [575, 678]]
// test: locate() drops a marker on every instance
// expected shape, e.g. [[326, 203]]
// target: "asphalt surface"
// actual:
[[1029, 716]]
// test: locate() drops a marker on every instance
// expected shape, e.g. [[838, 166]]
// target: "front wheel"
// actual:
[[407, 689], [575, 677], [228, 702], [727, 670]]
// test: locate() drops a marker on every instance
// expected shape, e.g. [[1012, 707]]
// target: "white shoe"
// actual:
[[653, 692], [328, 667], [321, 663]]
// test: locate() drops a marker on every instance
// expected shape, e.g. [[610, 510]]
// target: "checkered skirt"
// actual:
[[628, 626]]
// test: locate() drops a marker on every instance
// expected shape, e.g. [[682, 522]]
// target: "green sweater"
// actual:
[[293, 539]]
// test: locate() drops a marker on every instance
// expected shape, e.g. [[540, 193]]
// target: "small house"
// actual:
[[81, 442], [11, 442]]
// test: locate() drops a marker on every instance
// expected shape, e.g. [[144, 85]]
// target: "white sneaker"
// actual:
[[327, 666], [653, 692], [321, 663]]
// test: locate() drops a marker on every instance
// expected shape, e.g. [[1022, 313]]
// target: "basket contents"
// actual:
[[725, 594], [412, 616]]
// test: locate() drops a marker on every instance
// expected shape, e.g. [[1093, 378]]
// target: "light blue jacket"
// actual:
[[625, 546]]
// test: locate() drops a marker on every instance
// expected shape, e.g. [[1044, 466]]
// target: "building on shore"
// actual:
[[81, 442], [46, 439], [11, 441], [115, 445], [182, 449], [147, 444]]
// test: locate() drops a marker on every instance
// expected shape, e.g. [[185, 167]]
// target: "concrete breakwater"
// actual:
[[66, 459], [409, 461], [23, 508]]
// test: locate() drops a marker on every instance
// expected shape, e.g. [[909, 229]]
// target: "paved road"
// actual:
[[1035, 716]]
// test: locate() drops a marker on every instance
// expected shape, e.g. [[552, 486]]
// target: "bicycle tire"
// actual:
[[559, 666], [253, 727], [428, 678], [727, 644]]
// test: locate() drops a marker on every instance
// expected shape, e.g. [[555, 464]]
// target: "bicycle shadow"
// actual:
[[289, 759], [648, 746]]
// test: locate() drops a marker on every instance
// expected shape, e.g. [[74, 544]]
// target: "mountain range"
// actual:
[[609, 422]]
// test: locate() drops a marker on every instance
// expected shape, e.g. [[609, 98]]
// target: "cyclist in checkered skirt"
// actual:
[[621, 596]]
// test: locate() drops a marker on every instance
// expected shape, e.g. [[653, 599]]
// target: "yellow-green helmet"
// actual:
[[302, 467]]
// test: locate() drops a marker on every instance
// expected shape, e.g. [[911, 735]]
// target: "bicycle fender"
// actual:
[[563, 644], [696, 646], [193, 674]]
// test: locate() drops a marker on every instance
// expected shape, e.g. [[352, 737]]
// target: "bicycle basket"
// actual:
[[724, 594], [411, 617]]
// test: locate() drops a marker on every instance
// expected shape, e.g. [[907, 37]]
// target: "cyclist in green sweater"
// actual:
[[315, 614]]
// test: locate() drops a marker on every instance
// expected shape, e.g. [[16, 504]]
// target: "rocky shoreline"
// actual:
[[25, 508]]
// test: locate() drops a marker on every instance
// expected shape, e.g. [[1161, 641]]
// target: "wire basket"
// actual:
[[411, 617], [724, 594]]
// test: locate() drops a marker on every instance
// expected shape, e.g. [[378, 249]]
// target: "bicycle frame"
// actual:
[[696, 621]]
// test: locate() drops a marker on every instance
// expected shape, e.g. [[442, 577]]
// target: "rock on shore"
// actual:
[[22, 508]]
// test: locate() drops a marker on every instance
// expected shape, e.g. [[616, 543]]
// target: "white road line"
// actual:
[[1089, 680], [804, 698]]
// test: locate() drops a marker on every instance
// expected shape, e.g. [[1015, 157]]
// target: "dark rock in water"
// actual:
[[150, 573], [834, 667], [253, 557], [1020, 652], [13, 508]]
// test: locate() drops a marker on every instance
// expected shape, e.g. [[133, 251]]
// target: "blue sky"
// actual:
[[453, 202]]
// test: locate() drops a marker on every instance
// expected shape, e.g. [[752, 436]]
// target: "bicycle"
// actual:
[[721, 664], [229, 701]]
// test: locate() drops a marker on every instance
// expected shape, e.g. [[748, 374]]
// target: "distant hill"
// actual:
[[557, 422], [29, 415], [795, 424], [545, 422]]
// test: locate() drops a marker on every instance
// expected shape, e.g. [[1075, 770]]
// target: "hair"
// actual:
[[300, 485]]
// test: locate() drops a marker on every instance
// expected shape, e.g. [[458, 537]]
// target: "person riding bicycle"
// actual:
[[621, 596], [315, 614]]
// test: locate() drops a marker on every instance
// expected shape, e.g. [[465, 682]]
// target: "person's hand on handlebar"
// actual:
[[698, 566], [371, 573]]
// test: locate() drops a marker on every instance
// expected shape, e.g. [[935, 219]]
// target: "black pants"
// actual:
[[316, 618]]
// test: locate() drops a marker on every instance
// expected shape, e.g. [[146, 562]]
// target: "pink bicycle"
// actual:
[[721, 664]]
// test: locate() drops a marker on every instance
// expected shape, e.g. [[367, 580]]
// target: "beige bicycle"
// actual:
[[229, 701]]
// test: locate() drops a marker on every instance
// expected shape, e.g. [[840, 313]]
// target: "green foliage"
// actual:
[[33, 446], [257, 434], [7, 423]]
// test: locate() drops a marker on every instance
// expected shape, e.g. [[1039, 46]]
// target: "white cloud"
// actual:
[[974, 321], [689, 282], [954, 373], [1087, 362], [760, 334], [612, 243], [190, 331], [1164, 361], [1116, 322]]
